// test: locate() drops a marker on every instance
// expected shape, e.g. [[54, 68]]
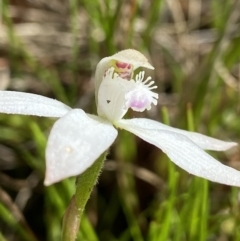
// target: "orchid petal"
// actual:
[[111, 96], [12, 102], [75, 142], [185, 153], [204, 142]]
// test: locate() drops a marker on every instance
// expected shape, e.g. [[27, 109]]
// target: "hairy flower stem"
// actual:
[[84, 185]]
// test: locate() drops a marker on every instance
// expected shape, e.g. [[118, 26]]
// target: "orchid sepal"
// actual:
[[203, 141], [75, 142], [13, 102], [184, 153]]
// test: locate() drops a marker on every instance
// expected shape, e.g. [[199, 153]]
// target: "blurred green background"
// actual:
[[52, 48]]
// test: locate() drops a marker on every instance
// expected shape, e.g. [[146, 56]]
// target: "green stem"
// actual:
[[84, 185], [71, 221]]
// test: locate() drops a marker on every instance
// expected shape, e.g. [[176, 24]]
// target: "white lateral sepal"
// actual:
[[75, 142], [13, 102], [204, 142], [185, 153]]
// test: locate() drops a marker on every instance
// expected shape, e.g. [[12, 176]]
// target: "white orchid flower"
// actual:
[[77, 139]]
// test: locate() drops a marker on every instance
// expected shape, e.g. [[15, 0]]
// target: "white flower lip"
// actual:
[[141, 97], [77, 139]]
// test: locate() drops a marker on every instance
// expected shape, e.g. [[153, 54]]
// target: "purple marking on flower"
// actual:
[[124, 70], [138, 99], [122, 65], [141, 96]]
